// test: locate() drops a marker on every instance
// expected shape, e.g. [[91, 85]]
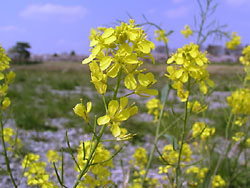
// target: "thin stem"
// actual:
[[70, 151], [90, 157], [178, 169], [117, 84], [5, 154], [155, 141], [57, 176], [62, 170]]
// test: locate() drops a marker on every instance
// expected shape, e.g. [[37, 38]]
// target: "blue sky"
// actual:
[[64, 25]]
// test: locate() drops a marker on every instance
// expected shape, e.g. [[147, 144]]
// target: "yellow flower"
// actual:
[[117, 113], [234, 42], [238, 136], [187, 31], [239, 101], [218, 181], [82, 111], [185, 64], [6, 103], [161, 35], [118, 50], [196, 107], [145, 83], [52, 156], [140, 157], [154, 106], [201, 129]]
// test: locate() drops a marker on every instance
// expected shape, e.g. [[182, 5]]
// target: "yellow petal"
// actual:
[[110, 40], [115, 129], [103, 120], [78, 109], [107, 33], [105, 62], [131, 59], [130, 82], [89, 106], [113, 107], [123, 115], [123, 102]]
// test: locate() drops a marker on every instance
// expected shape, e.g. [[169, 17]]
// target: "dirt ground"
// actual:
[[75, 66]]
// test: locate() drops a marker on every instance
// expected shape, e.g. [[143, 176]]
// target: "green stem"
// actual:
[[178, 170], [117, 84], [5, 154], [155, 143], [90, 157]]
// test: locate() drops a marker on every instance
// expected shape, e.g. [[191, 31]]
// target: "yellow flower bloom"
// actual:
[[234, 42], [161, 35], [218, 181], [239, 101], [187, 31], [116, 114], [200, 129], [82, 111], [238, 136], [185, 64], [52, 156], [6, 103], [196, 107]]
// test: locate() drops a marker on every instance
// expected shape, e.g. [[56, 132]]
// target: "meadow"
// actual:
[[120, 119]]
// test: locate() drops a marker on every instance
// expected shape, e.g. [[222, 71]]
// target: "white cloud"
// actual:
[[10, 28], [238, 2], [54, 11], [178, 12]]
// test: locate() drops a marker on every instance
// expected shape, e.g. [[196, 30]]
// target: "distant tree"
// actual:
[[160, 49], [55, 55], [20, 51], [72, 53]]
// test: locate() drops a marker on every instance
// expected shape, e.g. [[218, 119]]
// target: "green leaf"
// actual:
[[172, 140], [169, 33], [207, 179], [164, 93]]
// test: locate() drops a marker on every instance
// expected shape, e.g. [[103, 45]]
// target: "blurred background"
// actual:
[[53, 27]]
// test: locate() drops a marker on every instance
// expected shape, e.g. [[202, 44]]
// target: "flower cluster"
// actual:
[[187, 32], [119, 50], [154, 106], [196, 175], [234, 42], [200, 129], [116, 113], [161, 35], [196, 107], [245, 60], [218, 181], [171, 155], [5, 79], [139, 163], [239, 101], [188, 62], [10, 138], [98, 173], [36, 173]]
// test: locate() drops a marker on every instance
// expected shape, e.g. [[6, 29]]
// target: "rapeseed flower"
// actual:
[[187, 32], [235, 42], [82, 111], [188, 62], [117, 113]]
